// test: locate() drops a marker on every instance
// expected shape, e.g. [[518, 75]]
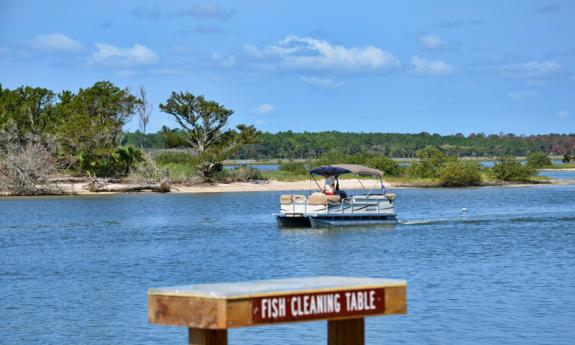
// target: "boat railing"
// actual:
[[298, 204]]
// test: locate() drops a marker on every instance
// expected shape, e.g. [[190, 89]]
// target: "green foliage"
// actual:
[[459, 173], [385, 164], [294, 168], [147, 140], [334, 157], [431, 160], [92, 121], [203, 123], [119, 163], [31, 111], [538, 160], [312, 145], [83, 130], [507, 168], [566, 158], [173, 138], [175, 157]]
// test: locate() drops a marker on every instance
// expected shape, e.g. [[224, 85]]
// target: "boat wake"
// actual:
[[542, 218]]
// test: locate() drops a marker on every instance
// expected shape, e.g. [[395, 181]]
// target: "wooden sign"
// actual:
[[231, 305], [315, 306]]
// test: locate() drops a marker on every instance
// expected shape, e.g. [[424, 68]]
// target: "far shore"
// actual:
[[349, 185]]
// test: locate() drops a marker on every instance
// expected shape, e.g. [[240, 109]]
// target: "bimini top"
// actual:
[[340, 169]]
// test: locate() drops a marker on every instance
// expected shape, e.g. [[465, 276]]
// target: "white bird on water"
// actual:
[[464, 210]]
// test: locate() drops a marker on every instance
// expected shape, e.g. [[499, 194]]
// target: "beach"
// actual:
[[273, 185]]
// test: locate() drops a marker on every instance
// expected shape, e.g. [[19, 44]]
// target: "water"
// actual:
[[75, 270], [558, 174]]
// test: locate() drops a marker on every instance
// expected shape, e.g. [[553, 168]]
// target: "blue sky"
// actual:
[[372, 66]]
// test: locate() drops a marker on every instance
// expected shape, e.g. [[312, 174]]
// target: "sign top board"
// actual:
[[258, 288], [242, 304]]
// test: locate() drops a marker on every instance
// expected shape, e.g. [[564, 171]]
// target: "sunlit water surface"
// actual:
[[75, 270]]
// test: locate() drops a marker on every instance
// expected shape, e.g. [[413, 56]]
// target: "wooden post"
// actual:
[[198, 336], [346, 332]]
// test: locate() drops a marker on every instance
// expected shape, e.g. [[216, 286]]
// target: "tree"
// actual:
[[144, 110], [30, 110], [431, 159], [385, 164], [203, 122], [507, 168], [538, 160], [93, 120], [458, 173]]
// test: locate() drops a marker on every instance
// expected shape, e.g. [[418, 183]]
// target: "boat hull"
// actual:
[[293, 221], [351, 220]]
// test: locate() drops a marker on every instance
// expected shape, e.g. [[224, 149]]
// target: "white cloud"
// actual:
[[322, 82], [432, 41], [264, 109], [531, 69], [430, 67], [306, 53], [522, 95], [110, 55], [223, 61], [564, 114], [55, 42]]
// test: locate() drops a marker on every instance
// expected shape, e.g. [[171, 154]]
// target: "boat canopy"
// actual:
[[340, 169]]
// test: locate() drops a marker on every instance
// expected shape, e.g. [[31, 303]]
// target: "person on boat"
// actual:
[[329, 187]]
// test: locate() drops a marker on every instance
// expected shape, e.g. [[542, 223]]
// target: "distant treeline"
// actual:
[[307, 145]]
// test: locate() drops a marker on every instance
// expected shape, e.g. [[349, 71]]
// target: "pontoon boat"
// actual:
[[374, 206]]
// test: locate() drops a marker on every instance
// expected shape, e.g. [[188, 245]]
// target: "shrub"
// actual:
[[458, 173], [242, 173], [510, 169], [566, 159], [294, 168], [538, 160], [431, 160], [119, 163], [385, 164]]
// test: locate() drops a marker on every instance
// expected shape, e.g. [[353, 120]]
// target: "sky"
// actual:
[[364, 66]]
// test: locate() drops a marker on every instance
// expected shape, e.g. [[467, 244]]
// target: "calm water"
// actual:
[[76, 270]]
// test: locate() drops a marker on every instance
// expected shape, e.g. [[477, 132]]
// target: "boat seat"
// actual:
[[298, 198], [333, 199], [289, 198], [317, 199]]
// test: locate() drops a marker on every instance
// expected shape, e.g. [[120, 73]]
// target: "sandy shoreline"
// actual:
[[266, 186], [349, 185], [270, 186]]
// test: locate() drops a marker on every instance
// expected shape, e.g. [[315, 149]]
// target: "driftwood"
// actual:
[[98, 186]]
